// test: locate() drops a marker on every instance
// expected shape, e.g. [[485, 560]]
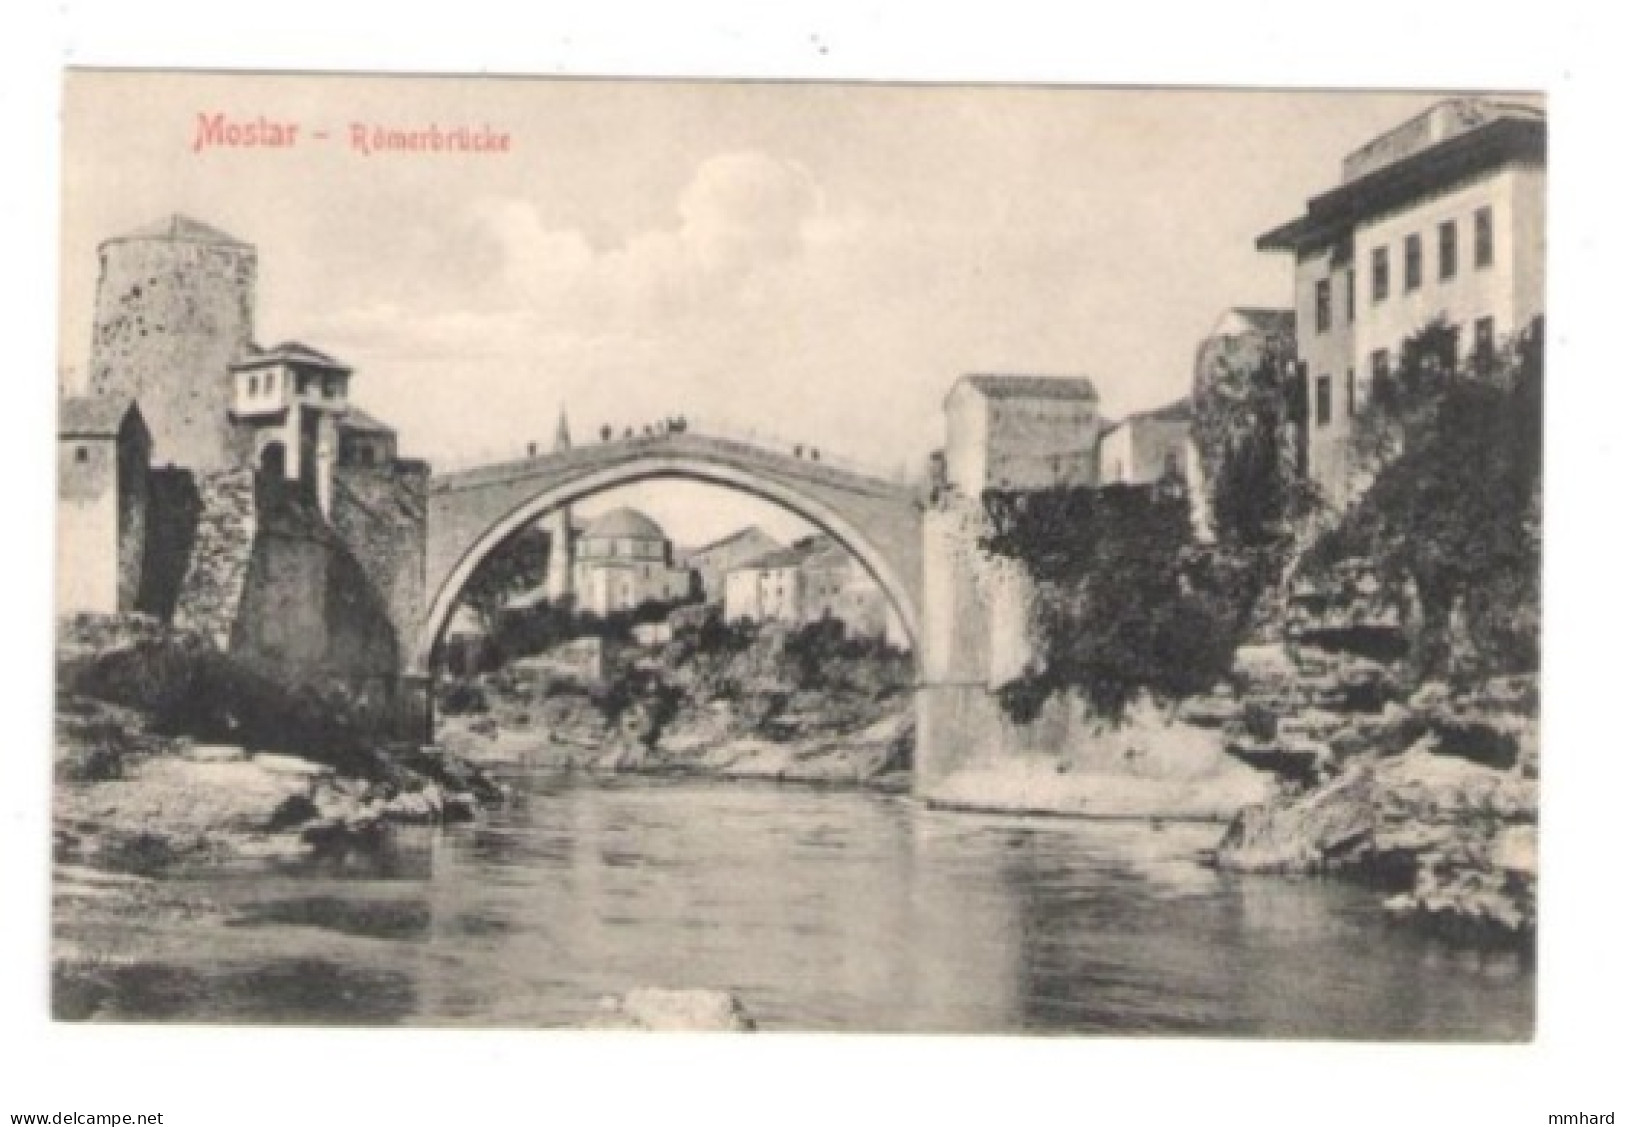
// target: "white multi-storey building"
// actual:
[[1442, 218]]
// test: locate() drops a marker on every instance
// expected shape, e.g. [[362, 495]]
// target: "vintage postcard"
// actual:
[[798, 556]]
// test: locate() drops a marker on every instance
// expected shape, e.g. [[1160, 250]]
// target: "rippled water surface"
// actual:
[[820, 910]]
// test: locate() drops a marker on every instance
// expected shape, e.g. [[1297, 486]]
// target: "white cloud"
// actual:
[[741, 213]]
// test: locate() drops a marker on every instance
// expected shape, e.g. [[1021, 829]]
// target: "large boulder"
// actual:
[[675, 1011]]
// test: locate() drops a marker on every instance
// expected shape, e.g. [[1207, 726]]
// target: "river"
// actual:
[[819, 909]]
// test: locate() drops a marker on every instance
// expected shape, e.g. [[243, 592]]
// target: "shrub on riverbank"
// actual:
[[1125, 601], [174, 684]]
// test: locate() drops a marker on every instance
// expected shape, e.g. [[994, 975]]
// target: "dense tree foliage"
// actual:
[[1125, 601], [516, 565], [1245, 414], [1452, 513]]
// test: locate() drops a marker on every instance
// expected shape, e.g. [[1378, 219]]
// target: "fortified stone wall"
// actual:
[[379, 515], [222, 547], [171, 316]]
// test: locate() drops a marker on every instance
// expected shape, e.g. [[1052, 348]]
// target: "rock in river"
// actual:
[[674, 1011]]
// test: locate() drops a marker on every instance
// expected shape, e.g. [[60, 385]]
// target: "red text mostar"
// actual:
[[216, 130]]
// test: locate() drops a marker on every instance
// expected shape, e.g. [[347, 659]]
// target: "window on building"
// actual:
[[1483, 238], [1379, 274], [81, 453], [1323, 401], [1483, 344], [270, 381], [302, 385], [1323, 305], [1353, 288], [1380, 363], [1413, 262], [1447, 250], [1348, 393], [253, 385]]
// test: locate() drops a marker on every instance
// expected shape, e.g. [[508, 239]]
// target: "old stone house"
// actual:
[[103, 453]]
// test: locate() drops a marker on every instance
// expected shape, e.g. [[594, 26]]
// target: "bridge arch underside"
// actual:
[[884, 537]]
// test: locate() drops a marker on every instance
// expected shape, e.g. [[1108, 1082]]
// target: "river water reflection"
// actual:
[[820, 910]]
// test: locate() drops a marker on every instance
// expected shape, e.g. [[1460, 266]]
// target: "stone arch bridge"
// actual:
[[470, 512]]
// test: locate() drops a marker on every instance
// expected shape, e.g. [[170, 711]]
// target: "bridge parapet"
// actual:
[[841, 475]]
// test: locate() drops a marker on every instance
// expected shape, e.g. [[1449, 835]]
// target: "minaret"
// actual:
[[561, 551]]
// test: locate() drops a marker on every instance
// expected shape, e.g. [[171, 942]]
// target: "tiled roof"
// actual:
[[357, 420], [1501, 141], [779, 557], [183, 229], [290, 352], [1274, 321], [726, 541], [1032, 387], [1179, 411], [92, 416]]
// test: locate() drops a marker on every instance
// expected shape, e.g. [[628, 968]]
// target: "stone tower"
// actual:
[[560, 529], [174, 309]]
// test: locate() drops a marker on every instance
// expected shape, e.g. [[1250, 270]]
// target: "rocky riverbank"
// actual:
[[762, 703], [569, 736], [1430, 796], [129, 799], [1153, 765], [168, 755]]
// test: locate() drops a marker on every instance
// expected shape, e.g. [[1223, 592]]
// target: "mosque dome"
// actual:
[[623, 524]]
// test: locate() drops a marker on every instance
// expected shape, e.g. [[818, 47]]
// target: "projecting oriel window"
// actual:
[[1447, 250], [1483, 238], [1323, 305], [1413, 262], [1323, 401], [1379, 274]]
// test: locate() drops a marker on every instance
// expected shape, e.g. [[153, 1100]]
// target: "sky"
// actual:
[[817, 263]]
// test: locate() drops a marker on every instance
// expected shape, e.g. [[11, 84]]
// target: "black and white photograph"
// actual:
[[546, 553]]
